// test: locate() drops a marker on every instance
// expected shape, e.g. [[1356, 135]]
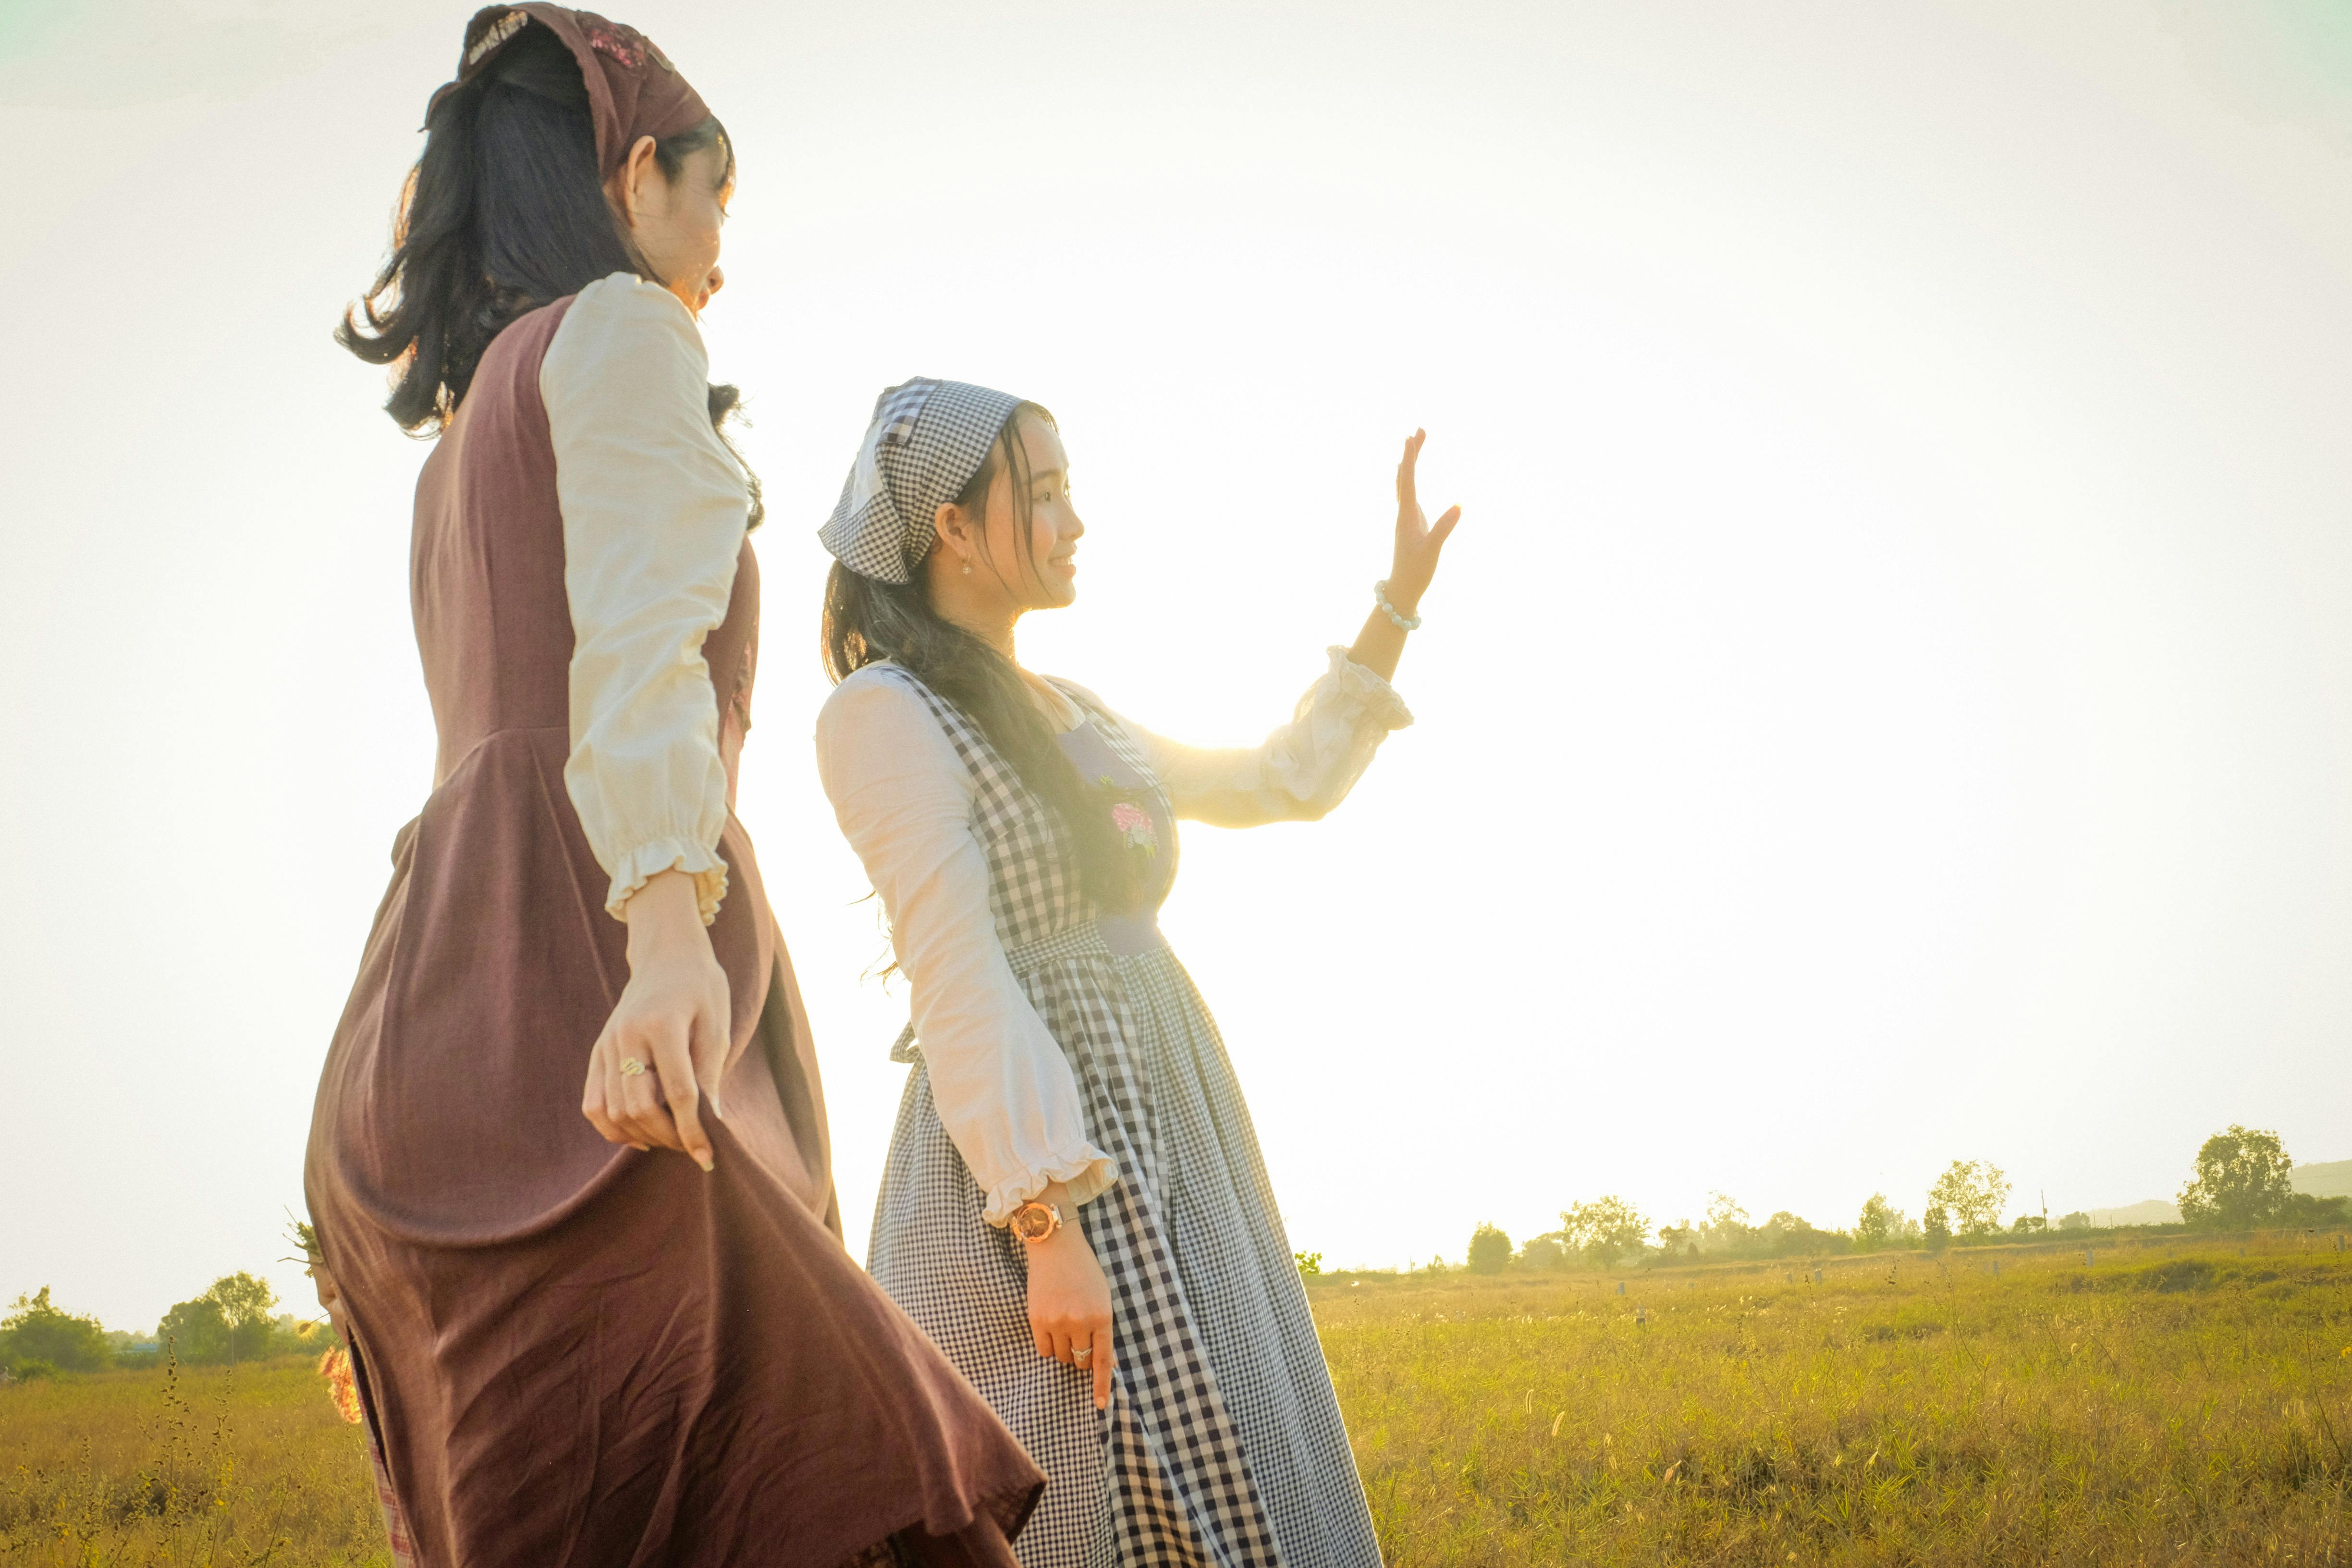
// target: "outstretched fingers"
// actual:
[[1407, 498]]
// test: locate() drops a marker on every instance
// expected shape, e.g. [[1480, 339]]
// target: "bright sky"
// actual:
[[1890, 699]]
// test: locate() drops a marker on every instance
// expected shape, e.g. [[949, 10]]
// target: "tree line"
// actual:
[[231, 1322], [2242, 1183]]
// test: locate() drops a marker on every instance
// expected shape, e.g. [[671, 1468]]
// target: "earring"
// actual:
[[967, 568]]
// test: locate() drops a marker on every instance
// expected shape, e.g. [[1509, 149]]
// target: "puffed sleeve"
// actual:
[[1296, 774], [1003, 1090], [655, 508]]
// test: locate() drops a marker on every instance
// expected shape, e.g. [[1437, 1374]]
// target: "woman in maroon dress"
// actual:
[[610, 1323]]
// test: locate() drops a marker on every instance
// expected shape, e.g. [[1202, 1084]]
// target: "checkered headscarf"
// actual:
[[927, 438]]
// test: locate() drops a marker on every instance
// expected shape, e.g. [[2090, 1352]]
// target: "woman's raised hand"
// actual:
[[1418, 539], [672, 1022]]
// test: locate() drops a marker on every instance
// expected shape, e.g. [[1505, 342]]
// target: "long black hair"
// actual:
[[502, 213], [867, 620]]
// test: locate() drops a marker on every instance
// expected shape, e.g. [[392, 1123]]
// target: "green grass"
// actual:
[[2193, 1408], [2170, 1406]]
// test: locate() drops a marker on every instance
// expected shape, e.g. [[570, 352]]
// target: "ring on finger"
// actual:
[[1082, 1354], [632, 1067]]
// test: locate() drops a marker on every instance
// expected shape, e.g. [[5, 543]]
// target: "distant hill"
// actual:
[[2331, 1180], [2328, 1180]]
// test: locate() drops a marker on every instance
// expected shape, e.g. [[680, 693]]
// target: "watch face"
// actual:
[[1032, 1221]]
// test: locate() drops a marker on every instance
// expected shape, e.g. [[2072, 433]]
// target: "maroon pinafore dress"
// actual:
[[572, 1353]]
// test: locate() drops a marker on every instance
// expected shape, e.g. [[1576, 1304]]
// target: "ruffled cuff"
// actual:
[[1088, 1174], [1348, 687], [646, 862]]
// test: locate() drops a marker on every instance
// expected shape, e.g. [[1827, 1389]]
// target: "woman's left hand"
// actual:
[[1418, 539]]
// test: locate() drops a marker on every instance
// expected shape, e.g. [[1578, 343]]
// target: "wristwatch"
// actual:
[[1033, 1222]]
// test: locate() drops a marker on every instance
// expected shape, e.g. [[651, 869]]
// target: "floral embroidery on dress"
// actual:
[[1135, 823]]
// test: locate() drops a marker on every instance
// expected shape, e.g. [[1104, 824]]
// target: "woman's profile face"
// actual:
[[675, 223], [1042, 569]]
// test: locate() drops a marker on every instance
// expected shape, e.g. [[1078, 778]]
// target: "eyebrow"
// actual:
[[1036, 474]]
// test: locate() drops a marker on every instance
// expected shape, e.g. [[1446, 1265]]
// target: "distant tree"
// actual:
[[2078, 1220], [1680, 1238], [1880, 1224], [2304, 1209], [1489, 1250], [35, 1331], [1727, 1228], [195, 1331], [1971, 1193], [1787, 1236], [1604, 1230], [2027, 1223], [1545, 1251], [1937, 1229], [230, 1322], [2242, 1181], [245, 1304], [1309, 1263]]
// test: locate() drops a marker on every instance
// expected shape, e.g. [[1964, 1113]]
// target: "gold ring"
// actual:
[[1083, 1356], [632, 1067]]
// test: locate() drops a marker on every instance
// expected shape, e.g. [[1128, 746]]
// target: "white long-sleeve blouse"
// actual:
[[904, 798], [654, 508]]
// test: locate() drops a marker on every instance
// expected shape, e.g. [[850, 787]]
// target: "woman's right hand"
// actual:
[[1069, 1299], [672, 1018]]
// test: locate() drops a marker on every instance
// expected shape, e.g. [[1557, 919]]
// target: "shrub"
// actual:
[[36, 1333]]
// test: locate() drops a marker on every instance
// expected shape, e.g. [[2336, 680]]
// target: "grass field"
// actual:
[[2192, 1408], [2183, 1407], [196, 1469]]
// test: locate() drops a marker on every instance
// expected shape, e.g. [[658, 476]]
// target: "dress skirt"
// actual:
[[1223, 1444]]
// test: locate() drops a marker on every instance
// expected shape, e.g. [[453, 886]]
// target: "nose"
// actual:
[[718, 281]]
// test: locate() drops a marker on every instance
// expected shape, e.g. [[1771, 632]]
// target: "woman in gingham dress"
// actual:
[[1074, 1206]]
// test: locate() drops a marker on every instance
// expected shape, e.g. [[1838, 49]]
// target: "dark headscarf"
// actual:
[[633, 90]]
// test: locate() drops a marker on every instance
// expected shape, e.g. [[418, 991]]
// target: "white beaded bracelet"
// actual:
[[1380, 597]]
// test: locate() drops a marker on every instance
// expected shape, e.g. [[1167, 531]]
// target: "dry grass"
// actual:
[[2153, 1409], [194, 1467], [2178, 1410]]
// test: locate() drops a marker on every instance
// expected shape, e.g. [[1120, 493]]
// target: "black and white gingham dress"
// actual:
[[1223, 1445]]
